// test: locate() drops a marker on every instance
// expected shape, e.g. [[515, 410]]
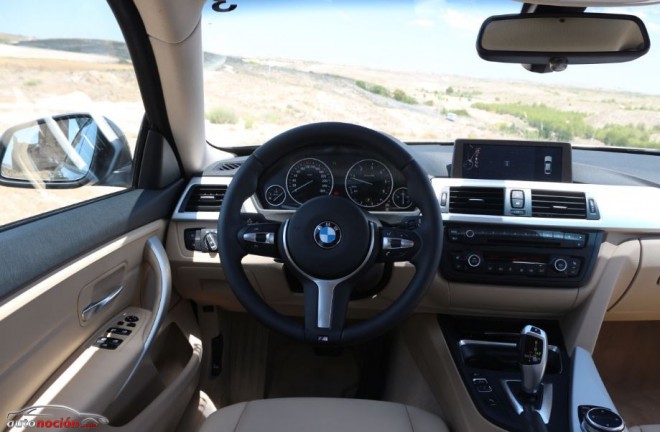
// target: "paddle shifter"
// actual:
[[533, 356]]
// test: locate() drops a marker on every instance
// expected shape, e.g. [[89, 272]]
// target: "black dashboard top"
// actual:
[[605, 166]]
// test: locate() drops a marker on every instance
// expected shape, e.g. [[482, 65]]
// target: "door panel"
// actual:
[[42, 324], [30, 251]]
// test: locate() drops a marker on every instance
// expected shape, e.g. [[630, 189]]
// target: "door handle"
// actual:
[[93, 308]]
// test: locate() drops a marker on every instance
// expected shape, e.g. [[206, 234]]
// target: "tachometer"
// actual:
[[369, 183], [308, 178]]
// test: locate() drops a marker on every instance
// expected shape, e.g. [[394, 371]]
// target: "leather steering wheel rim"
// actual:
[[244, 185]]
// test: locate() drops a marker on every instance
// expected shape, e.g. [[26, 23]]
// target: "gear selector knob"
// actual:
[[533, 356]]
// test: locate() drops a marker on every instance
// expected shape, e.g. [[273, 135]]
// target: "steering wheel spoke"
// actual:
[[398, 245], [260, 239], [326, 305]]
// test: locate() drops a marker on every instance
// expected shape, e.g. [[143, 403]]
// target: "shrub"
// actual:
[[401, 96], [373, 88], [626, 136], [222, 116], [551, 123]]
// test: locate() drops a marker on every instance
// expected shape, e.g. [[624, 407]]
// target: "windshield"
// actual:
[[410, 69]]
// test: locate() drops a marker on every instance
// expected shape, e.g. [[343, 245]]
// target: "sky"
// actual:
[[421, 35]]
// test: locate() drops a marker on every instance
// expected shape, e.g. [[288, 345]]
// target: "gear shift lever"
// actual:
[[533, 356]]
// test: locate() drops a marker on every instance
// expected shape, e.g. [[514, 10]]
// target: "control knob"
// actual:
[[560, 265], [474, 260], [600, 419]]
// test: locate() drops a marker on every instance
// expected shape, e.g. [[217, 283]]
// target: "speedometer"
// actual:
[[369, 183], [308, 178]]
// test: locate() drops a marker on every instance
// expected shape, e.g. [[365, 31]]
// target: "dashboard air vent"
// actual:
[[228, 166], [559, 204], [204, 198], [476, 200]]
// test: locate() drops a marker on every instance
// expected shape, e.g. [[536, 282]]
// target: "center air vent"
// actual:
[[559, 204], [228, 166], [476, 200], [204, 198]]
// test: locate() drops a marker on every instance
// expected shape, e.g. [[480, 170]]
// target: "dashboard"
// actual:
[[523, 256], [364, 178]]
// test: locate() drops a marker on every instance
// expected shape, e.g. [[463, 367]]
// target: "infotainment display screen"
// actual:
[[512, 160]]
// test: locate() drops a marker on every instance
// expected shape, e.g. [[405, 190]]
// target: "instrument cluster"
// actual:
[[365, 179]]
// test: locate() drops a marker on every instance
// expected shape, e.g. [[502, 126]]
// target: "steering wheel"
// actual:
[[330, 242]]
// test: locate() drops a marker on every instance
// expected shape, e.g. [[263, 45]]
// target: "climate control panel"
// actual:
[[519, 256]]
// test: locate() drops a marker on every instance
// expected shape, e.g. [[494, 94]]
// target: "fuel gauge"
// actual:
[[275, 195]]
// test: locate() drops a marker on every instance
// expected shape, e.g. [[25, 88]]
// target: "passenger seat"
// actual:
[[645, 428]]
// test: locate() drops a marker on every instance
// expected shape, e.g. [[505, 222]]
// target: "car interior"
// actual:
[[328, 273]]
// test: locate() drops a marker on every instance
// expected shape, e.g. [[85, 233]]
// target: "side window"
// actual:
[[70, 107]]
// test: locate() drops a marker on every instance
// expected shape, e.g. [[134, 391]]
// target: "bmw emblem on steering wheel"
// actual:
[[327, 235]]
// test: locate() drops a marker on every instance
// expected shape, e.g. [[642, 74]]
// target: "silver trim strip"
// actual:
[[621, 208], [616, 205], [94, 308], [156, 256], [587, 387], [252, 206], [467, 342], [327, 287]]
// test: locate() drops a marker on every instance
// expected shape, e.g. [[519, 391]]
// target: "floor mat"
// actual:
[[627, 355], [297, 371]]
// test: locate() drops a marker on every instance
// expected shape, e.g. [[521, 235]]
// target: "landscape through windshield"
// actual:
[[410, 69]]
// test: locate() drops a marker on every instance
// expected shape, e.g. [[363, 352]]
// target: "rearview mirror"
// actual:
[[555, 41], [65, 151]]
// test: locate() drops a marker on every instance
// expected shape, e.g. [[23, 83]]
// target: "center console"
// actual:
[[507, 255], [520, 377]]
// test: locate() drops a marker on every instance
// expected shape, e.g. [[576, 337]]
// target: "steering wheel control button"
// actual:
[[131, 324], [327, 234], [260, 239], [131, 319], [398, 244]]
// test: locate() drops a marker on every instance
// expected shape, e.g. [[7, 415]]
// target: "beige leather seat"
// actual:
[[322, 415], [645, 428]]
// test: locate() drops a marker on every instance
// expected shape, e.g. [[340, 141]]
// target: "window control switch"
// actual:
[[108, 342], [119, 331]]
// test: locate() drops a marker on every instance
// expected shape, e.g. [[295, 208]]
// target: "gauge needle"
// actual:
[[302, 186], [362, 181]]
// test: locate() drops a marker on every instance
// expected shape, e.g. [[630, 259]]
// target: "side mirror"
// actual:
[[65, 151], [551, 42]]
